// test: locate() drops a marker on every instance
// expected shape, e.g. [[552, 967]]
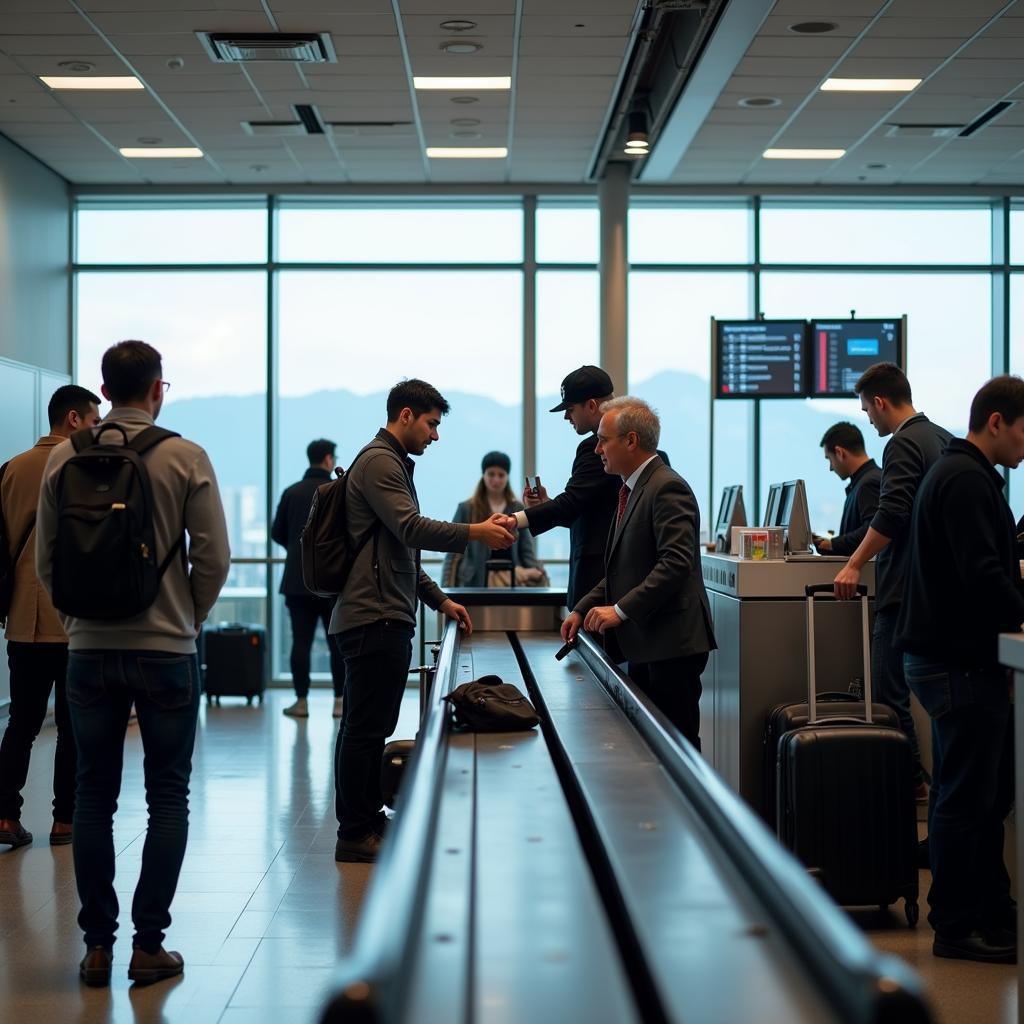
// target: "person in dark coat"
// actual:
[[843, 444], [305, 609]]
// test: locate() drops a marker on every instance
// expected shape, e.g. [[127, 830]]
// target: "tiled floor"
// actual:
[[263, 913]]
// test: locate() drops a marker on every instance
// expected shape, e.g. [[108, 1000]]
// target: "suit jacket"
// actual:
[[653, 571], [290, 518], [587, 506]]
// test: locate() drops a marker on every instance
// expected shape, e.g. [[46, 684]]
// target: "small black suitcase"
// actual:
[[235, 661], [845, 796]]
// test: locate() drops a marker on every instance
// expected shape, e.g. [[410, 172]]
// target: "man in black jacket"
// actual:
[[963, 589], [305, 609], [844, 450], [587, 505], [915, 445]]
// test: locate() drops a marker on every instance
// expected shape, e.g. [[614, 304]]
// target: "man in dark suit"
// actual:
[[587, 505], [652, 594], [305, 609], [843, 444]]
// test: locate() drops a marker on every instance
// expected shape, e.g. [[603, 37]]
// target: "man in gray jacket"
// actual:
[[149, 660], [375, 615], [652, 594]]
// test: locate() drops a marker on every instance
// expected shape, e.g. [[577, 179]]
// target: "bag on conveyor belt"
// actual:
[[489, 705]]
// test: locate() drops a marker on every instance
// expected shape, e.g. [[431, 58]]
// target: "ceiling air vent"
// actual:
[[922, 131], [241, 47], [990, 115], [372, 129]]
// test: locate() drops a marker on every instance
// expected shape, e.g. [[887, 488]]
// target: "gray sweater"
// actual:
[[386, 578], [185, 497]]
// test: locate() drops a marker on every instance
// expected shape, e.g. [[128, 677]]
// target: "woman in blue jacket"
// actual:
[[492, 494]]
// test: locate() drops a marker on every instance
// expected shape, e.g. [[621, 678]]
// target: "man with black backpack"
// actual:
[[37, 648], [375, 615], [116, 506]]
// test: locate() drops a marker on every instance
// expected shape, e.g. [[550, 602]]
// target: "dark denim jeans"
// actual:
[[36, 669], [306, 613], [377, 659], [102, 685], [972, 786], [889, 684]]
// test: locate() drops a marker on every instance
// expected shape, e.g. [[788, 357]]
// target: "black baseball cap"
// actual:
[[583, 384]]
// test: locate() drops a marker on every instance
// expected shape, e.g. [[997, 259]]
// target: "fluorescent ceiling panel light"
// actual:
[[870, 84], [803, 154], [462, 82], [161, 152], [91, 82], [467, 152]]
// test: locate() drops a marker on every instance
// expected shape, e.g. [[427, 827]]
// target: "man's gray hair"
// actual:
[[637, 416]]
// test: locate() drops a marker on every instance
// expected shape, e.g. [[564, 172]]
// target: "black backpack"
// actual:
[[9, 561], [328, 552], [104, 554], [489, 705]]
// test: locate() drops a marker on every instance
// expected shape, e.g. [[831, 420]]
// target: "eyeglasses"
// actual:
[[166, 385]]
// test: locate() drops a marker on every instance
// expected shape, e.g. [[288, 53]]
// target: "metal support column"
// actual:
[[529, 335], [613, 193]]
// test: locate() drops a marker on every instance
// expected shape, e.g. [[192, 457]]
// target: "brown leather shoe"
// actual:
[[147, 968], [94, 969], [358, 851], [60, 834], [13, 834]]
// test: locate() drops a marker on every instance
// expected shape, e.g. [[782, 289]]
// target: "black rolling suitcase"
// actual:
[[235, 661], [845, 796]]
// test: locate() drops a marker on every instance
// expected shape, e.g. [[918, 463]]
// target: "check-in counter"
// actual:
[[759, 611], [1011, 654]]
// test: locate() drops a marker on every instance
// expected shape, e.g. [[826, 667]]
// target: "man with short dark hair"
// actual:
[[37, 647], [375, 615], [963, 589], [651, 593], [844, 450], [915, 444], [148, 659], [305, 609], [587, 505]]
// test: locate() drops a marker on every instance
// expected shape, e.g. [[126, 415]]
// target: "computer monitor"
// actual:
[[841, 350], [759, 358], [773, 508], [787, 507], [731, 512]]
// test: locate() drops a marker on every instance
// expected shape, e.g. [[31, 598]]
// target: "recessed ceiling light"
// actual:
[[462, 82], [458, 25], [464, 100], [467, 134], [803, 154], [461, 47], [875, 167], [79, 67], [99, 82], [813, 28], [148, 140], [759, 101], [161, 153], [465, 122], [467, 152], [870, 84]]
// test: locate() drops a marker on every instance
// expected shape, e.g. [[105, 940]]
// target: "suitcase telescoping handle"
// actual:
[[820, 590]]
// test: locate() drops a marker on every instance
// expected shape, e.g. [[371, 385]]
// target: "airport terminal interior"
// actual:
[[732, 207]]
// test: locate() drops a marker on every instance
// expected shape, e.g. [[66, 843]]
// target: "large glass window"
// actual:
[[568, 233], [875, 233], [671, 233], [400, 234], [670, 359]]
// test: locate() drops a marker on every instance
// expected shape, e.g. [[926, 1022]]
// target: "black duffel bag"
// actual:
[[489, 705]]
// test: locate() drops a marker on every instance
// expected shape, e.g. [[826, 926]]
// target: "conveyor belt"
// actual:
[[597, 871]]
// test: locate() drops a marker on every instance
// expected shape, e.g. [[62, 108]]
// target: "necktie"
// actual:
[[623, 501]]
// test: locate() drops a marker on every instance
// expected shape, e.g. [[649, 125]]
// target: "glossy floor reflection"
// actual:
[[262, 913]]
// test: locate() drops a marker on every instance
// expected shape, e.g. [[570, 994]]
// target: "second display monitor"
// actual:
[[841, 350]]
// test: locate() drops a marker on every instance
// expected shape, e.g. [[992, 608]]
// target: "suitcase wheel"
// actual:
[[248, 702], [913, 912], [209, 700]]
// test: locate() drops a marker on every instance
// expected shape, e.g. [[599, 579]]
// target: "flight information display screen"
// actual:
[[760, 358], [843, 349]]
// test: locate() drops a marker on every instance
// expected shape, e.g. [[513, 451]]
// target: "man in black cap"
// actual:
[[588, 503]]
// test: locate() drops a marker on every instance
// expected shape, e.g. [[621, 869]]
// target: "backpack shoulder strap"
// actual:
[[82, 439], [149, 438]]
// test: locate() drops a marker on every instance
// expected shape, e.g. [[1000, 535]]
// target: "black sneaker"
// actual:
[[358, 851], [997, 948]]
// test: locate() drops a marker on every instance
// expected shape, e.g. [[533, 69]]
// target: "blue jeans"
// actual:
[[889, 684], [972, 789], [377, 659], [102, 685]]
